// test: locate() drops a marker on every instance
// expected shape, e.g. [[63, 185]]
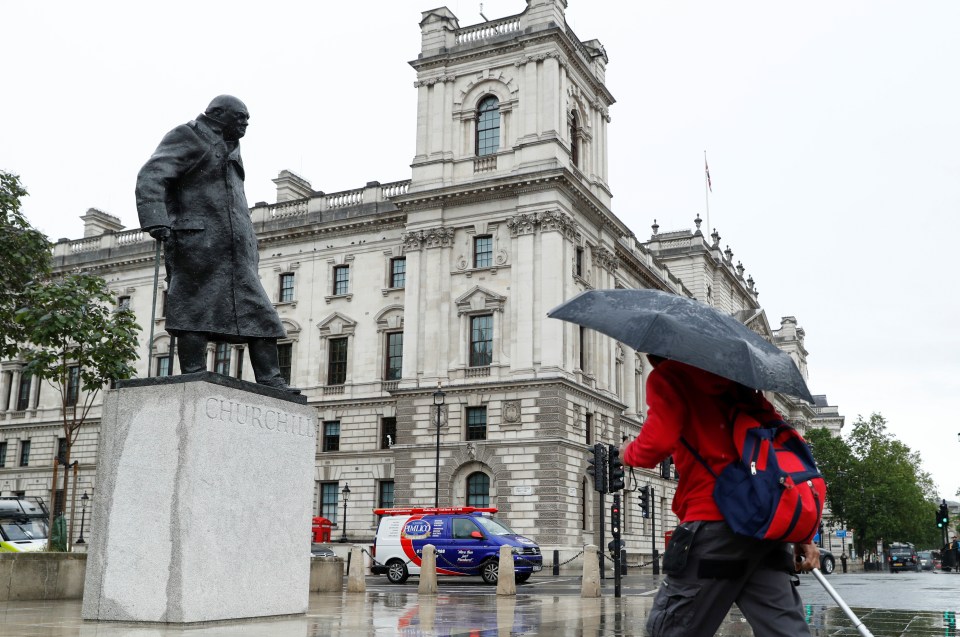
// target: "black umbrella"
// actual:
[[688, 331]]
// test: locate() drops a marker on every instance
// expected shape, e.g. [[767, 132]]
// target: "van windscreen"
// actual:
[[494, 527]]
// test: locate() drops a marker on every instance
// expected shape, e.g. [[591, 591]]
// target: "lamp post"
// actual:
[[438, 397], [345, 493], [83, 515]]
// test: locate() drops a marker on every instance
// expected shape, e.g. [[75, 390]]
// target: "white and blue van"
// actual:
[[467, 539]]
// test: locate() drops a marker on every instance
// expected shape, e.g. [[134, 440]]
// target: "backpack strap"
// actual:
[[698, 457], [733, 419]]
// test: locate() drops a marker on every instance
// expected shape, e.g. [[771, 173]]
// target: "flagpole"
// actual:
[[706, 190]]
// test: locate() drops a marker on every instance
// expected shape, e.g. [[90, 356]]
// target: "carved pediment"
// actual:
[[337, 324], [480, 300]]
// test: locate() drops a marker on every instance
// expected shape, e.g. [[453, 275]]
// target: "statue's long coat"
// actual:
[[193, 184]]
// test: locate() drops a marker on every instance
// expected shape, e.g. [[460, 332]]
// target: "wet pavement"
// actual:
[[547, 606]]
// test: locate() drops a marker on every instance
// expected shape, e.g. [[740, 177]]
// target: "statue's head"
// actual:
[[231, 113]]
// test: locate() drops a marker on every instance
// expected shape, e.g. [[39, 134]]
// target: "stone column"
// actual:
[[14, 390], [5, 389]]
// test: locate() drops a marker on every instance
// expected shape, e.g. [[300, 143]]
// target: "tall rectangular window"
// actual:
[[476, 423], [3, 454], [482, 252], [285, 357], [481, 340], [398, 272], [286, 287], [385, 495], [388, 432], [24, 453], [163, 303], [588, 429], [579, 262], [337, 365], [221, 359], [394, 356], [123, 303], [163, 365], [240, 352], [59, 503], [328, 500], [23, 392], [73, 385], [583, 349], [331, 435], [62, 450], [341, 279]]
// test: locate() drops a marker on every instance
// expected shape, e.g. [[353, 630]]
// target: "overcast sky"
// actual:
[[831, 128]]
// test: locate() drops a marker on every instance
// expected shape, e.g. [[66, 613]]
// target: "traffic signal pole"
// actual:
[[615, 532]]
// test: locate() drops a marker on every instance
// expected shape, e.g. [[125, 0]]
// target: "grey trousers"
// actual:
[[709, 569]]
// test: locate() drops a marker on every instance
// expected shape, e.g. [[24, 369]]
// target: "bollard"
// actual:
[[428, 571], [623, 561], [843, 561], [356, 583], [591, 572], [656, 562], [506, 575], [556, 562]]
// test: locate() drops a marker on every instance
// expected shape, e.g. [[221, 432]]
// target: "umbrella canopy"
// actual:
[[688, 331]]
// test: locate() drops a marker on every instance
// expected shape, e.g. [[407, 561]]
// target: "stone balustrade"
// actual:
[[484, 30], [373, 192]]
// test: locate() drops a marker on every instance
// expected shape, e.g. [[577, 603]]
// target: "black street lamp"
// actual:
[[438, 397], [345, 493], [83, 515]]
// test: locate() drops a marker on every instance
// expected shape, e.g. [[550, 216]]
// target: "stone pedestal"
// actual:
[[203, 502]]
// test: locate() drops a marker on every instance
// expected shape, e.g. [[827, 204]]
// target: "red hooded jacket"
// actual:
[[689, 402]]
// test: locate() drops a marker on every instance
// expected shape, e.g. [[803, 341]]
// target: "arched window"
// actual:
[[488, 126], [574, 139], [478, 490]]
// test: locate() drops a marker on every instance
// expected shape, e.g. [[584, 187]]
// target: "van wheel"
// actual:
[[397, 572], [490, 571], [522, 577]]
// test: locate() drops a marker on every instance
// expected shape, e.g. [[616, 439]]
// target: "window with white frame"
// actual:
[[481, 340], [488, 126], [286, 287]]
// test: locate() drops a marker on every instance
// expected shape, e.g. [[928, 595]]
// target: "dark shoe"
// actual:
[[278, 383]]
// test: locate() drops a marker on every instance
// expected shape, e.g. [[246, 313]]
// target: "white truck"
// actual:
[[23, 525]]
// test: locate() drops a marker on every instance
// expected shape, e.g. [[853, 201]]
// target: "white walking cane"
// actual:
[[842, 604]]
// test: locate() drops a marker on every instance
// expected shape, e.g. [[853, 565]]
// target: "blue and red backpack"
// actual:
[[773, 491]]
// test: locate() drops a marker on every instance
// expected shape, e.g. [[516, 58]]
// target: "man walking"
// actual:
[[708, 567], [190, 196]]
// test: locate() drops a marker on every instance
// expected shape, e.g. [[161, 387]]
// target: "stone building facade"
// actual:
[[390, 291]]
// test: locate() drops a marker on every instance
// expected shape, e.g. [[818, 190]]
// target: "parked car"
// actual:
[[903, 557], [927, 561], [827, 562], [321, 550]]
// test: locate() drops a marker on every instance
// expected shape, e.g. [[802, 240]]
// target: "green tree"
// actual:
[[78, 343], [24, 258], [876, 484]]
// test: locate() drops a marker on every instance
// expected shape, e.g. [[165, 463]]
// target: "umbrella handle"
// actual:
[[842, 604]]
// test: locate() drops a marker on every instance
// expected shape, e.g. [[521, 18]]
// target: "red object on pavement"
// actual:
[[321, 528], [666, 539]]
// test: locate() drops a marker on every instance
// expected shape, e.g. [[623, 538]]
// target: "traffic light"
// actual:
[[615, 519], [644, 496], [598, 468], [943, 516], [615, 468]]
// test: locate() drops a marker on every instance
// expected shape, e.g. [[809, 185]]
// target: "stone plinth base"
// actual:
[[203, 502]]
